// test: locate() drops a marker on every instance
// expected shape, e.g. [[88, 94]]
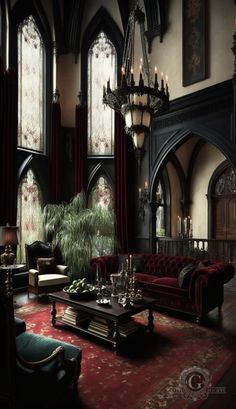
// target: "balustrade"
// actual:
[[214, 249]]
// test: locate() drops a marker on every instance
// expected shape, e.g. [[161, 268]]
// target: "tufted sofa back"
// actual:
[[160, 265], [163, 265]]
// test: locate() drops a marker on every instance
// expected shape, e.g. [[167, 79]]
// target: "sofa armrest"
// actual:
[[61, 269], [33, 277], [214, 275], [105, 264]]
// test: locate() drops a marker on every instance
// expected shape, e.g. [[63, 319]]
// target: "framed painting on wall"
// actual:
[[194, 41]]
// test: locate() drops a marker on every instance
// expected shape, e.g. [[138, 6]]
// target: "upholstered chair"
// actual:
[[35, 371], [45, 274]]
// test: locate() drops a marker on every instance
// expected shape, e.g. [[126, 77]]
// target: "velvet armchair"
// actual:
[[45, 273], [35, 371]]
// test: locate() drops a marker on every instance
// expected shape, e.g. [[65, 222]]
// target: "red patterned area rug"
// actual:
[[149, 373]]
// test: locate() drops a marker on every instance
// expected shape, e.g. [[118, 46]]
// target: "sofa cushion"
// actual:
[[185, 275], [143, 278], [168, 285], [45, 280], [46, 265]]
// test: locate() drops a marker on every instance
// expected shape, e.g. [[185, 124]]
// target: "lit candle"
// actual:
[[146, 184], [156, 83], [166, 83], [130, 262], [191, 228], [185, 225], [188, 225], [140, 77], [162, 80], [139, 192], [123, 79], [179, 224], [54, 66], [132, 76]]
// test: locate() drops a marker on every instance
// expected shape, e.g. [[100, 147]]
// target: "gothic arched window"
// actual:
[[102, 65], [161, 211], [29, 212], [101, 194], [30, 86]]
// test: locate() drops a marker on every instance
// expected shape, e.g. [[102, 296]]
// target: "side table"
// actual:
[[8, 282]]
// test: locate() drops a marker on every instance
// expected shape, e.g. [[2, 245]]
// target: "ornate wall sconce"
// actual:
[[143, 196]]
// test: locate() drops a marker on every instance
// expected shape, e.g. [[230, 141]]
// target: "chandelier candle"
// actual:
[[142, 101]]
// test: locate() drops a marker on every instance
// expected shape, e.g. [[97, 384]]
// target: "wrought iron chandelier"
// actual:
[[144, 99]]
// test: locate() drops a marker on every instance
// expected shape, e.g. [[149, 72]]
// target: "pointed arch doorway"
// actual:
[[223, 196]]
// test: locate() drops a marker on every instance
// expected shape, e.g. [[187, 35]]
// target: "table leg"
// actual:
[[53, 313], [116, 335], [150, 325]]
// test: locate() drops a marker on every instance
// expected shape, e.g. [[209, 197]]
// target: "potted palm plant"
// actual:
[[80, 232]]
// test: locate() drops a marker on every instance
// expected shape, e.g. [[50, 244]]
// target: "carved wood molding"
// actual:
[[187, 108], [156, 13]]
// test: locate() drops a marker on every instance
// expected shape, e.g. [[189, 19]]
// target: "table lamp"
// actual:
[[8, 238]]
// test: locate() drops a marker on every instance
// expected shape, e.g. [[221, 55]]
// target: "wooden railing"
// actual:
[[224, 250]]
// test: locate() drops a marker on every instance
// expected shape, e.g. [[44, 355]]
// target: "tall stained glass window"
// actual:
[[101, 194], [29, 213], [102, 65], [160, 214], [30, 86]]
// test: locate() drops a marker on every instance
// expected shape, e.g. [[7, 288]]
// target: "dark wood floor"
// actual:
[[226, 324]]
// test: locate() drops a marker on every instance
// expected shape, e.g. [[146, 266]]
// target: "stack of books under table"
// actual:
[[100, 326], [105, 328], [73, 316], [128, 327]]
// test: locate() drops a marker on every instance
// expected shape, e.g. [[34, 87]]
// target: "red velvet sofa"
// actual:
[[158, 276]]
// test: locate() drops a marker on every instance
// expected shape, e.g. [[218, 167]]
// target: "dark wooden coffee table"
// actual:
[[115, 314]]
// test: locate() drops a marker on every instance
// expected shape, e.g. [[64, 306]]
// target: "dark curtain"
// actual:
[[124, 185], [55, 153], [8, 138], [80, 149]]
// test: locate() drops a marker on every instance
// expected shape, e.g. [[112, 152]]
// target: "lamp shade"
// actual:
[[8, 235]]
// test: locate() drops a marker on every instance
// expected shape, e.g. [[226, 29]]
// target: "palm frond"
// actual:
[[80, 232]]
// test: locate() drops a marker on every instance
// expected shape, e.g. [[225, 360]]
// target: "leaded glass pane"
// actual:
[[160, 221], [30, 86], [101, 194], [159, 194], [29, 213], [102, 63], [226, 184], [160, 213]]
